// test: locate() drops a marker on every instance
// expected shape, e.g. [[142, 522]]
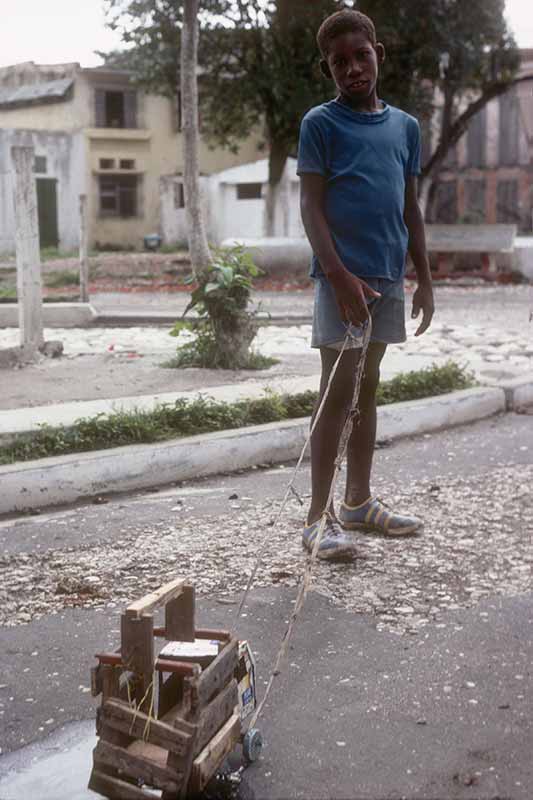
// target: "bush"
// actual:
[[226, 327]]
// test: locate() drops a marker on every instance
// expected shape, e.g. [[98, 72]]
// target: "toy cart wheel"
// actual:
[[252, 744]]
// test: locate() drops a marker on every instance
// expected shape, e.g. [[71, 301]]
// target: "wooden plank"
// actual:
[[208, 761], [116, 789], [137, 766], [97, 683], [110, 681], [137, 644], [119, 716], [216, 714], [179, 616], [156, 599], [217, 674]]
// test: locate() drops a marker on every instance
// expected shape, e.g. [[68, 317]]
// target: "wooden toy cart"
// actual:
[[165, 724]]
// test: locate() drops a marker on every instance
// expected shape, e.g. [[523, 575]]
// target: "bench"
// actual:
[[487, 240]]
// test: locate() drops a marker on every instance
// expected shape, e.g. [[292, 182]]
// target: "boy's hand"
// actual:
[[350, 293], [423, 301]]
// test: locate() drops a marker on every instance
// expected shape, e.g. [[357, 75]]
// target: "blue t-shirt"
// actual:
[[366, 159]]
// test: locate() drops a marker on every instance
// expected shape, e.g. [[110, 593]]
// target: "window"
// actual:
[[475, 201], [476, 138], [249, 191], [118, 195], [127, 163], [39, 165], [445, 208], [509, 129], [115, 109], [179, 196], [107, 163], [507, 209]]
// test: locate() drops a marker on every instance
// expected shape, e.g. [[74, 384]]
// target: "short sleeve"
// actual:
[[413, 161], [311, 149]]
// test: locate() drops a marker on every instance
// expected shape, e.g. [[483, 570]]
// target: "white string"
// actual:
[[341, 452]]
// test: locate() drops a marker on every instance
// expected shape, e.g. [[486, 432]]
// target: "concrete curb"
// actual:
[[55, 315], [65, 479], [518, 392]]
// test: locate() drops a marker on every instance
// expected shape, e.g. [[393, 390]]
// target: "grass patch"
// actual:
[[204, 415], [8, 294], [62, 277]]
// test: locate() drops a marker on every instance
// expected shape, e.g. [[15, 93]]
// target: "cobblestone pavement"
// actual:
[[478, 540], [486, 329]]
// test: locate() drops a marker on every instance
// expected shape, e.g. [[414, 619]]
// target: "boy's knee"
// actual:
[[340, 395]]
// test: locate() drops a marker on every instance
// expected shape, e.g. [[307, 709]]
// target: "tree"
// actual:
[[196, 234], [446, 59], [259, 67]]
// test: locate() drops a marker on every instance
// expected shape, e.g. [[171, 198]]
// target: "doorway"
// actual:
[[47, 212]]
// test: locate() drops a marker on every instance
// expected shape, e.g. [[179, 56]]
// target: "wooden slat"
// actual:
[[137, 644], [136, 766], [156, 599], [217, 674], [216, 714], [208, 761], [115, 789], [110, 681], [96, 681], [118, 716], [179, 616]]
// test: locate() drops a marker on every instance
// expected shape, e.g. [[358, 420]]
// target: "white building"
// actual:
[[234, 204]]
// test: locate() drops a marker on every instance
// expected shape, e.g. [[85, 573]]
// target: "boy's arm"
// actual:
[[423, 296], [349, 290]]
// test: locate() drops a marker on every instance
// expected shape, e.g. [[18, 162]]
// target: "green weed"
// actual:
[[205, 415]]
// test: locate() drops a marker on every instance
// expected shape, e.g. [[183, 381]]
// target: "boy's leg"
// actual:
[[326, 437], [360, 511], [363, 438]]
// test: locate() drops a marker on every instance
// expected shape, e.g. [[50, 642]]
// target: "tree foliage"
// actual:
[[446, 56], [259, 62]]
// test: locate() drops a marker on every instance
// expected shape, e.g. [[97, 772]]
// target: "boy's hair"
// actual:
[[345, 21]]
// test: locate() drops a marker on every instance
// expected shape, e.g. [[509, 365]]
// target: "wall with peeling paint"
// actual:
[[65, 161]]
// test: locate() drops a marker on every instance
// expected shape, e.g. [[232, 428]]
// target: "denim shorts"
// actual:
[[387, 311]]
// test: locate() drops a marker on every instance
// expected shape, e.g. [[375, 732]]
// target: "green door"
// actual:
[[47, 211]]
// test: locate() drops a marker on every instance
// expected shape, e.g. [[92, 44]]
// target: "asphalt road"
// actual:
[[358, 712]]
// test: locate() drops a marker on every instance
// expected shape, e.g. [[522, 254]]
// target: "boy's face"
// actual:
[[352, 62]]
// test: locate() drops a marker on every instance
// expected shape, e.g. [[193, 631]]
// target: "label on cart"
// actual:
[[246, 680]]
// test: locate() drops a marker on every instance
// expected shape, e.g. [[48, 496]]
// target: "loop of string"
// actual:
[[305, 582]]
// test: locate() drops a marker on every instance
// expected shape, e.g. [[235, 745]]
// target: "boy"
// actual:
[[358, 160]]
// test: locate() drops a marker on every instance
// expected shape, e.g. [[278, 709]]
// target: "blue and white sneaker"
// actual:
[[335, 544], [372, 515]]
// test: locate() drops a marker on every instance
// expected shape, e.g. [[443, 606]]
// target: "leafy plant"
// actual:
[[225, 327]]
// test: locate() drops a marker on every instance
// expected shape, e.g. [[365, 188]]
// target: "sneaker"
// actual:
[[372, 515], [334, 546]]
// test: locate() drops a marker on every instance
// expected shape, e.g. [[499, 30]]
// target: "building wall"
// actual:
[[65, 162], [491, 178], [155, 146]]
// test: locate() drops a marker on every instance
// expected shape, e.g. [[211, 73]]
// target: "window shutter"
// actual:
[[99, 108], [130, 109]]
